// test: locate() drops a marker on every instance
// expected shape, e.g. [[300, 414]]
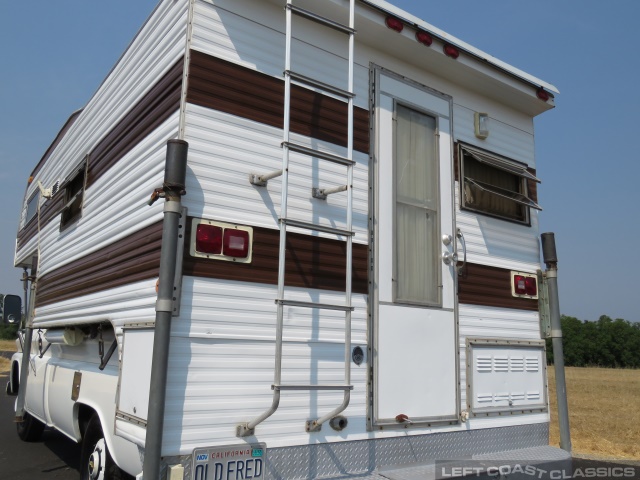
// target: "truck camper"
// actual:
[[289, 240]]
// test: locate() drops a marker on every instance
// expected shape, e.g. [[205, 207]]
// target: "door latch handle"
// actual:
[[449, 258]]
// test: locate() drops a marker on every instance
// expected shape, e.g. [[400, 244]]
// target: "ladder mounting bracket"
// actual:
[[243, 430], [312, 426], [318, 193]]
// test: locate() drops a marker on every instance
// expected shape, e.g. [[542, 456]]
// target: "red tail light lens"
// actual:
[[394, 24], [424, 38], [236, 243], [531, 286], [525, 285], [451, 51], [209, 239], [519, 285], [542, 94]]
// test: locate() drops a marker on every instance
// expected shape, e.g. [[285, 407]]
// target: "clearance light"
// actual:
[[424, 38], [221, 241], [394, 23], [542, 94], [236, 243], [209, 239], [451, 51], [524, 285]]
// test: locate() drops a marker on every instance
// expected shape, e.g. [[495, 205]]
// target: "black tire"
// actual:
[[30, 428], [95, 460]]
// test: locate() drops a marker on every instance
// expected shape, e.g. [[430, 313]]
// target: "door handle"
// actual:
[[450, 258]]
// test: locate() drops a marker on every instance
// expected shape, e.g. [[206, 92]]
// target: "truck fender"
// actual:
[[124, 453]]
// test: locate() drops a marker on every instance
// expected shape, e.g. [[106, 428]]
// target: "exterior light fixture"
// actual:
[[481, 125]]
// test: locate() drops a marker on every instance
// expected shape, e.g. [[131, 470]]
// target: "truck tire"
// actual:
[[30, 428], [95, 460]]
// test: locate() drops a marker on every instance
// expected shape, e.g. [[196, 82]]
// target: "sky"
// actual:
[[54, 55]]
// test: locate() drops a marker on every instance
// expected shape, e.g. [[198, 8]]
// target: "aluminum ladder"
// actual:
[[290, 76]]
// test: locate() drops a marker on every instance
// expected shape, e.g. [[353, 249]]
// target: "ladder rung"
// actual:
[[294, 147], [314, 17], [315, 227], [311, 387], [323, 306], [298, 77]]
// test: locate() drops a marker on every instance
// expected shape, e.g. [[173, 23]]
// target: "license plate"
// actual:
[[231, 462]]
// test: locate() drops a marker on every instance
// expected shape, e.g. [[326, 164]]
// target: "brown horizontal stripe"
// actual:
[[491, 287], [126, 261], [311, 262], [154, 108], [230, 88]]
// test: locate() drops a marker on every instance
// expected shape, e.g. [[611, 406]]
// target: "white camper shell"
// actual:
[[355, 286]]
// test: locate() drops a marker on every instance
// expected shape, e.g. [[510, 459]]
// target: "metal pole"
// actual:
[[551, 260], [26, 351], [173, 187]]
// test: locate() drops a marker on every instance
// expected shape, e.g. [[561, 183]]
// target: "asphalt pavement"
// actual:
[[53, 457]]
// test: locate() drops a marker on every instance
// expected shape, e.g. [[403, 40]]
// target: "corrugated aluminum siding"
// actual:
[[157, 48]]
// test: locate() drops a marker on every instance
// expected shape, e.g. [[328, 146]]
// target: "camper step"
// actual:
[[311, 387], [322, 306], [314, 17], [294, 147], [316, 227], [298, 77]]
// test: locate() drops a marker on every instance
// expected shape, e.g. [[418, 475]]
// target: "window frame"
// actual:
[[73, 200], [35, 196], [501, 163]]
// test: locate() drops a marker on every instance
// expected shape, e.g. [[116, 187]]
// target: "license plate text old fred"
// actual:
[[231, 462]]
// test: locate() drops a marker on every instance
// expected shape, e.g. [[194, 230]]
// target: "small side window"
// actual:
[[32, 206], [73, 190], [494, 185]]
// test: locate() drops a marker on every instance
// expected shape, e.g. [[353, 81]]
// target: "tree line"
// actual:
[[601, 343]]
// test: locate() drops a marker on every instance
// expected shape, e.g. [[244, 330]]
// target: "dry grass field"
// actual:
[[6, 346], [604, 411]]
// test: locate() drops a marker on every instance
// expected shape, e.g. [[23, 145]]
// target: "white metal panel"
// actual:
[[499, 243], [503, 139], [500, 380], [416, 363], [135, 372], [477, 321], [222, 360], [134, 303], [225, 149]]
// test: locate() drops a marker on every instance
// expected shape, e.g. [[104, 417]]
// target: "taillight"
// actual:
[[209, 239], [451, 51], [394, 23], [524, 285], [424, 38], [236, 243], [542, 94], [221, 241]]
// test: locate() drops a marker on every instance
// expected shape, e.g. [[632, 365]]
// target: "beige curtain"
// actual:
[[416, 193]]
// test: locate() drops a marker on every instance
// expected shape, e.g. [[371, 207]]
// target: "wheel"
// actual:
[[95, 460], [30, 428]]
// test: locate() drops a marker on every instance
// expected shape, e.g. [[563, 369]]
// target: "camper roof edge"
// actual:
[[390, 9]]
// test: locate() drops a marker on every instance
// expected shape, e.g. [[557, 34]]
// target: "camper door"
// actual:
[[414, 309]]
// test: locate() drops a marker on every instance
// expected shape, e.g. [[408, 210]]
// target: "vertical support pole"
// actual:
[[173, 187], [551, 260], [26, 350]]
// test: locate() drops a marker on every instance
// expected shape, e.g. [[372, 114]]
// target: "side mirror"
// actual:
[[11, 309]]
